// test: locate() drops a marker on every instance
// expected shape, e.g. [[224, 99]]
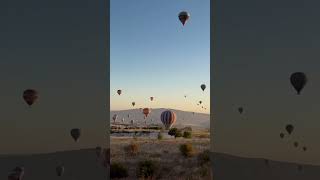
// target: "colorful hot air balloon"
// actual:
[[133, 103], [75, 134], [146, 112], [119, 92], [168, 118], [60, 170], [183, 17], [203, 87], [289, 128], [30, 96], [298, 81], [151, 98]]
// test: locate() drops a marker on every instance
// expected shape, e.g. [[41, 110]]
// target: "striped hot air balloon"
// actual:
[[168, 118]]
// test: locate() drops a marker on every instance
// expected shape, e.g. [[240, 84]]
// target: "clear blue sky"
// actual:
[[152, 54]]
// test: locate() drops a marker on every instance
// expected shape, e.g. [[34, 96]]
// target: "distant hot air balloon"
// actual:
[[114, 118], [168, 118], [289, 128], [295, 144], [30, 96], [75, 134], [203, 87], [146, 112], [240, 109], [119, 92], [60, 170], [304, 148], [183, 17], [200, 102], [133, 103], [151, 98], [281, 135], [298, 81], [185, 96], [98, 151]]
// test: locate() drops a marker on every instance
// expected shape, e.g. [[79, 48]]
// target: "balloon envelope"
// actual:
[[75, 134], [30, 96], [203, 87], [119, 91], [298, 81], [289, 128], [168, 118], [183, 17]]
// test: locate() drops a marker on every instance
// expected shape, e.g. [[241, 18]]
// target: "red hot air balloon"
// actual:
[[30, 96], [146, 112], [183, 17], [168, 118]]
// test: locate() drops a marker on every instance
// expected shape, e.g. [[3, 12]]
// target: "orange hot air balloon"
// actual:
[[146, 112]]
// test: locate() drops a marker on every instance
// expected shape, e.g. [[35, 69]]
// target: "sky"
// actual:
[[46, 47], [258, 45], [152, 54]]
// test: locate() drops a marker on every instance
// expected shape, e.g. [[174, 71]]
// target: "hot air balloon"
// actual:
[[295, 144], [203, 87], [200, 102], [30, 96], [98, 151], [146, 112], [289, 128], [60, 170], [119, 92], [298, 81], [168, 118], [304, 148], [75, 134], [183, 17], [133, 103], [185, 96], [281, 135], [151, 98], [240, 109], [16, 174], [114, 118]]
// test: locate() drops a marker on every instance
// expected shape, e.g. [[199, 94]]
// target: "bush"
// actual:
[[132, 149], [204, 157], [117, 170], [187, 134], [160, 136], [186, 149], [178, 134], [172, 131], [147, 169]]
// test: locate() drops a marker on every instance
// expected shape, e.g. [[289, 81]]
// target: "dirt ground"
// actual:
[[172, 164]]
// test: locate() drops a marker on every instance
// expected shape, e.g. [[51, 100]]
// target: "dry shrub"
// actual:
[[132, 149], [147, 169], [186, 150], [117, 170], [204, 157]]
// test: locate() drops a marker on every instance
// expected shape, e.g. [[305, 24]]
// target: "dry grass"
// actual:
[[172, 164]]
